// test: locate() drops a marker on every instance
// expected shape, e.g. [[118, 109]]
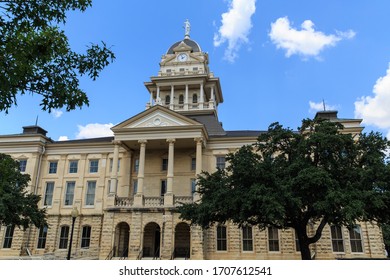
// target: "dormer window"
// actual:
[[195, 98], [181, 99], [167, 100], [181, 69]]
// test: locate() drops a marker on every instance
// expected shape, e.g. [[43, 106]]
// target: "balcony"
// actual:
[[151, 201]]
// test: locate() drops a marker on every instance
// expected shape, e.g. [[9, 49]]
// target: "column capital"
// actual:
[[116, 142], [198, 139], [142, 141], [171, 140]]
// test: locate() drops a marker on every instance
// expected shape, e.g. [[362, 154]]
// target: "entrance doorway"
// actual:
[[152, 241], [182, 241], [121, 241]]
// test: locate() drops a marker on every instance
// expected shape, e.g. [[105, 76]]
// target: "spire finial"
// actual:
[[187, 28]]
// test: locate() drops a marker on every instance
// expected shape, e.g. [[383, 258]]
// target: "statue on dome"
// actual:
[[187, 28]]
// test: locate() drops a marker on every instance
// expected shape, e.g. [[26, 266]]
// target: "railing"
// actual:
[[153, 201], [111, 253], [140, 254], [123, 201], [156, 254], [179, 200], [124, 254]]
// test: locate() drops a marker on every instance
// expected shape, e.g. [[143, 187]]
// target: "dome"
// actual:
[[191, 43]]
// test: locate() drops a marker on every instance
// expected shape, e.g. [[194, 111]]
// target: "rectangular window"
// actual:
[[86, 237], [193, 163], [247, 238], [221, 238], [64, 237], [93, 165], [69, 194], [337, 239], [53, 167], [42, 237], [9, 234], [90, 196], [164, 165], [73, 165], [355, 236], [193, 186], [49, 194], [273, 239], [135, 186], [136, 165], [22, 165], [163, 187], [221, 162]]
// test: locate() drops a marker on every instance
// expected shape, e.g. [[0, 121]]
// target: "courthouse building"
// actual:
[[126, 187]]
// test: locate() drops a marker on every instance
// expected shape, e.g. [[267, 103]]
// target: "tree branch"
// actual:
[[318, 234]]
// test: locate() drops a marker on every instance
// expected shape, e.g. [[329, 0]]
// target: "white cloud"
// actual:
[[375, 110], [93, 130], [307, 41], [315, 107], [235, 28], [63, 138], [56, 113]]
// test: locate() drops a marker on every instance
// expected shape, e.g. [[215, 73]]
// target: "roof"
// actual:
[[194, 45], [211, 123]]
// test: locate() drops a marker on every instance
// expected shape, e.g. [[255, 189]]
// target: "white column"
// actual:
[[151, 99], [114, 171], [201, 97], [170, 165], [186, 99], [158, 99], [141, 167], [212, 98], [171, 104], [198, 168]]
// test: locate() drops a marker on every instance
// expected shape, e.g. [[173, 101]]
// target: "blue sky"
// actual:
[[277, 60]]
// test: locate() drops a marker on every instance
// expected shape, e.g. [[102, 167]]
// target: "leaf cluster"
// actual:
[[17, 206], [36, 58]]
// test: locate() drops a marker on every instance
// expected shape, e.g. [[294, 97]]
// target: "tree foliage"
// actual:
[[36, 58], [17, 205], [292, 179]]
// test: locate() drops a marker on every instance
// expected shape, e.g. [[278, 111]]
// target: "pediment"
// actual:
[[182, 47], [157, 116]]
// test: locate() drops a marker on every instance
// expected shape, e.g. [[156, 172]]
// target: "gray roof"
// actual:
[[194, 45], [211, 123]]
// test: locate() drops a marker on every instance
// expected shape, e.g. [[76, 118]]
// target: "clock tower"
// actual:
[[184, 82]]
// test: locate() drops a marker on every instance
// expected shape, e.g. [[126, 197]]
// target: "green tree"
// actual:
[[17, 205], [386, 237], [293, 179], [35, 56]]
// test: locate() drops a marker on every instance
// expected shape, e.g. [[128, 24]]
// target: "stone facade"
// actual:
[[126, 187]]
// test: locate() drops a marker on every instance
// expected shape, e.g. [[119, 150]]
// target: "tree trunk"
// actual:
[[303, 242], [305, 251]]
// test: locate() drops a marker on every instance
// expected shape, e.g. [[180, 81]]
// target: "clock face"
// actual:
[[182, 57]]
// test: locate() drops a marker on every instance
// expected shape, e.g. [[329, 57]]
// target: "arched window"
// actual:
[[42, 237], [86, 237], [194, 98], [167, 100], [64, 234], [181, 99]]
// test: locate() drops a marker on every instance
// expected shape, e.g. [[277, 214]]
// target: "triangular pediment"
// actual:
[[182, 47], [157, 116]]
